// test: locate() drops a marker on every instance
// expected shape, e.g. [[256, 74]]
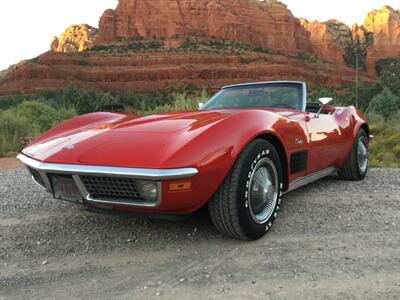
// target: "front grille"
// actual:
[[36, 176], [111, 187]]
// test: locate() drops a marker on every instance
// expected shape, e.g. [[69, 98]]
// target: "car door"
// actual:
[[326, 141]]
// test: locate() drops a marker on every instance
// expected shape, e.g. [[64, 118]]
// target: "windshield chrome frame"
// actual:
[[302, 83]]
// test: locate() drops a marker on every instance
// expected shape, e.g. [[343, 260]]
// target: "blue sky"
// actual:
[[26, 26]]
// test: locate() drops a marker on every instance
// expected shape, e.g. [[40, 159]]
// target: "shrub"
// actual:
[[389, 72], [385, 104], [362, 95], [182, 102], [323, 91], [29, 119], [37, 114], [384, 148], [308, 58], [12, 127]]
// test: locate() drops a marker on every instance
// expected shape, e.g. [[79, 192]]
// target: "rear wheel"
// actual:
[[246, 204], [356, 165]]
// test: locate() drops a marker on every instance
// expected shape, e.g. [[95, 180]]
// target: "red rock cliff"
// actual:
[[385, 26], [324, 44], [377, 38], [118, 64], [267, 23]]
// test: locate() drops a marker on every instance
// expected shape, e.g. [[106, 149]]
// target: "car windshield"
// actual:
[[269, 95]]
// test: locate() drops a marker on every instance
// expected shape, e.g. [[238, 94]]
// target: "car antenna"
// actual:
[[356, 80]]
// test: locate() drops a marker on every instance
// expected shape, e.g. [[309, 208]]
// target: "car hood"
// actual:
[[130, 141], [125, 141]]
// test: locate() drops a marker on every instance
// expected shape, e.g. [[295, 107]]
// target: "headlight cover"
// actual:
[[147, 189]]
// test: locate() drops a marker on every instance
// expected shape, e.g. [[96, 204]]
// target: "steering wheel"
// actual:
[[283, 105]]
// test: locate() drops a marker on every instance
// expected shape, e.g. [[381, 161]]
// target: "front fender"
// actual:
[[359, 121], [81, 123], [214, 151]]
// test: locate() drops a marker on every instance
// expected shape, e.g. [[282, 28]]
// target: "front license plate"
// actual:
[[64, 188]]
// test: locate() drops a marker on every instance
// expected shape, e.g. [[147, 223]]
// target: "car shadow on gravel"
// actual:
[[64, 229], [75, 231]]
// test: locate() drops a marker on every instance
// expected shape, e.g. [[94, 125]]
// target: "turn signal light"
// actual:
[[180, 186], [105, 127]]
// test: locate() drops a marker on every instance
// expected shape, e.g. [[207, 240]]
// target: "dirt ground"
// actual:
[[9, 163], [332, 240]]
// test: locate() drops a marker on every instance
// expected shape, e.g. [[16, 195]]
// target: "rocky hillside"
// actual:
[[145, 45]]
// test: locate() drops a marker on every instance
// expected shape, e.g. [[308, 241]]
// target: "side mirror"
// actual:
[[201, 105], [324, 101]]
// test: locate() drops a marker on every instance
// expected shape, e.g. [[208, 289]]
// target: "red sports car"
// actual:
[[239, 153]]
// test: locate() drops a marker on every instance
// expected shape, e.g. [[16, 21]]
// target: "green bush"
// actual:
[[309, 58], [84, 101], [321, 92], [28, 120], [385, 104], [181, 102], [37, 114], [131, 46], [12, 127], [43, 116], [389, 72], [361, 95], [384, 147], [30, 116]]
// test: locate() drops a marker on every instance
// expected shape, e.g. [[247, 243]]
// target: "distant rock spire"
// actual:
[[76, 38]]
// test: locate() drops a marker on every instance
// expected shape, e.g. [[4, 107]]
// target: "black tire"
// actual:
[[351, 169], [230, 208]]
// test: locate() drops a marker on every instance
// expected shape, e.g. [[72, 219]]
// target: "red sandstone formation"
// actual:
[[265, 24], [385, 26], [268, 24], [377, 38], [324, 44], [146, 72]]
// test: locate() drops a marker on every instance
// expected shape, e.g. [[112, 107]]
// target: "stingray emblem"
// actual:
[[298, 141], [69, 147]]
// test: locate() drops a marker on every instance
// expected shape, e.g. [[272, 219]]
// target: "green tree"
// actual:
[[362, 94], [385, 104], [389, 72], [322, 91]]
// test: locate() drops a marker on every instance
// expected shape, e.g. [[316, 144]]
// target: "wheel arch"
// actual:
[[274, 140], [366, 128]]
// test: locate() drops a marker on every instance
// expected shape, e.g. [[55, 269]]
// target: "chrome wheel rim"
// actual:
[[263, 191], [362, 154]]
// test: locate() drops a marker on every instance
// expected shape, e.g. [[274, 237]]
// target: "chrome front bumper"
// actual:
[[44, 169]]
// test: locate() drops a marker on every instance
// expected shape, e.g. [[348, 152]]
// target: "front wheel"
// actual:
[[246, 204], [356, 165]]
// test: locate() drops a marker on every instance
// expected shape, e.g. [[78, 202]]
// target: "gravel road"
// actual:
[[332, 240]]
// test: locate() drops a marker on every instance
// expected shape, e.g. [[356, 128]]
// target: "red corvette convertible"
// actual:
[[239, 153]]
